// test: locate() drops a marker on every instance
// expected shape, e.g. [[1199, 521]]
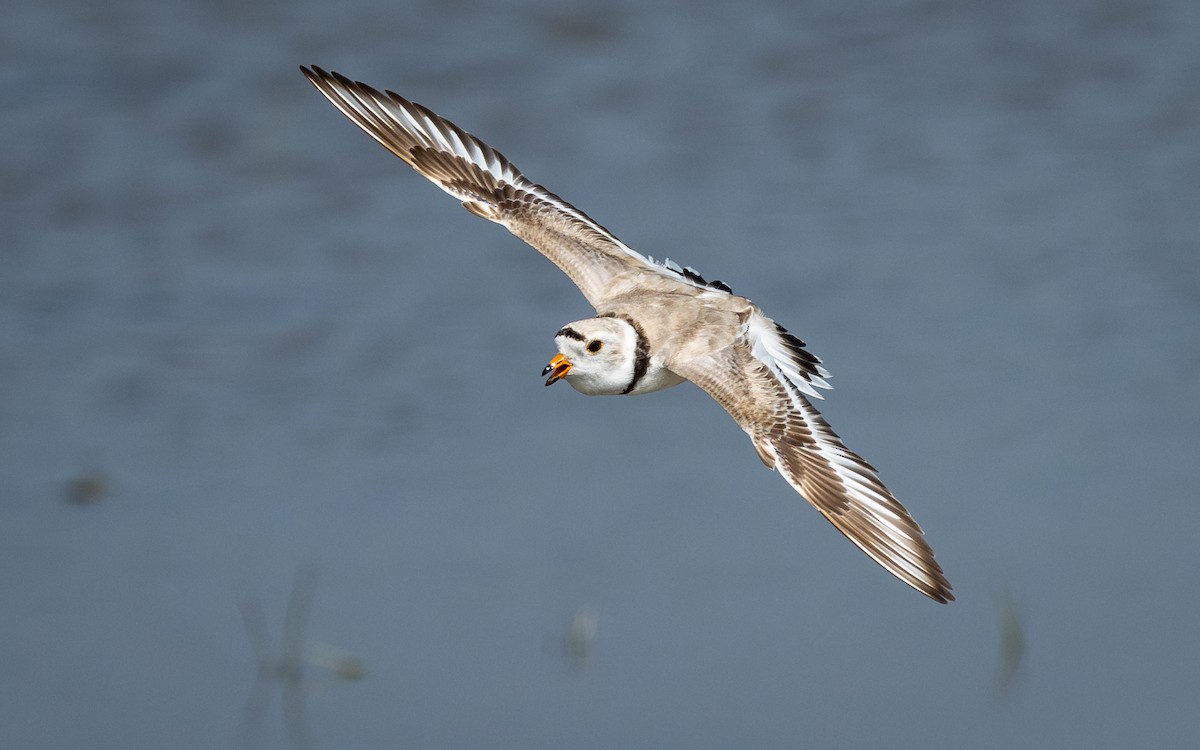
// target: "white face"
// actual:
[[596, 356]]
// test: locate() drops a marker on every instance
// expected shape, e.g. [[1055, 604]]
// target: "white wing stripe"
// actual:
[[769, 347], [859, 483], [383, 115]]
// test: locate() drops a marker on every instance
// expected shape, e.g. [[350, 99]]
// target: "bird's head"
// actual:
[[596, 356]]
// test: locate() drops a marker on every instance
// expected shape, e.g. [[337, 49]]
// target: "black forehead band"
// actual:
[[570, 333]]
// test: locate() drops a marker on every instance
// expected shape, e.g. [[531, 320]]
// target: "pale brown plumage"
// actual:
[[696, 329]]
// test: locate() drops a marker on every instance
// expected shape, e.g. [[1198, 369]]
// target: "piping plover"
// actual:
[[658, 325]]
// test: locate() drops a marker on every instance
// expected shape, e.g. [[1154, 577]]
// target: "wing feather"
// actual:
[[490, 186], [766, 396]]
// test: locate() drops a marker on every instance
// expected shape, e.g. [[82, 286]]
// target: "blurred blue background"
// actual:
[[238, 340]]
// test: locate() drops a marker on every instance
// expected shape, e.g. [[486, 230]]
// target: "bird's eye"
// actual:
[[595, 345]]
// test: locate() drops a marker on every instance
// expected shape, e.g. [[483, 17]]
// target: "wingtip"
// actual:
[[318, 75], [941, 595], [936, 587]]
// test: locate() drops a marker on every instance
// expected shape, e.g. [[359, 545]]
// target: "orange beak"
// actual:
[[557, 369]]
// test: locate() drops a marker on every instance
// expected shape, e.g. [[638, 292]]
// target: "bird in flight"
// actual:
[[657, 325]]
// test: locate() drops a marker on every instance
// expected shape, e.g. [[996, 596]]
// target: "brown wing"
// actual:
[[792, 436], [491, 187]]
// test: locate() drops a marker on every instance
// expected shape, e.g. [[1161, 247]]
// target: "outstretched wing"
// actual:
[[761, 381], [490, 186]]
